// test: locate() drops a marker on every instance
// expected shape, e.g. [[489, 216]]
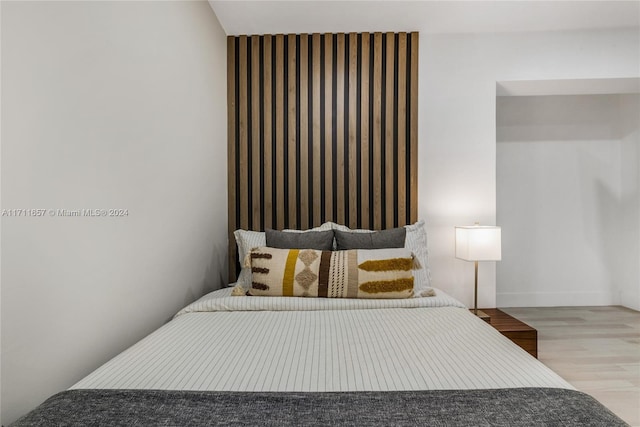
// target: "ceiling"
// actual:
[[324, 16], [627, 85]]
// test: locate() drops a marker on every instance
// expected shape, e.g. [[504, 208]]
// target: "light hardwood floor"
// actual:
[[596, 349]]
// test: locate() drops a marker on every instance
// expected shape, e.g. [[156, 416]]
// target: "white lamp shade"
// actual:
[[478, 243]]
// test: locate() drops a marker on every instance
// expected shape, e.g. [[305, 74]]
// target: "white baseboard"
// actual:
[[555, 299], [630, 299]]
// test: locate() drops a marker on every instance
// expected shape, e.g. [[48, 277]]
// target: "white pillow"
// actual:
[[416, 240], [247, 240]]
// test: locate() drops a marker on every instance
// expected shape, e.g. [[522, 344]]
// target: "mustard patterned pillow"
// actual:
[[359, 273]]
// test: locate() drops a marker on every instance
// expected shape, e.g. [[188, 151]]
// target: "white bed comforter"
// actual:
[[310, 344]]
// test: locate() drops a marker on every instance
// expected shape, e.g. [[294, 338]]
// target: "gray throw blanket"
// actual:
[[500, 407]]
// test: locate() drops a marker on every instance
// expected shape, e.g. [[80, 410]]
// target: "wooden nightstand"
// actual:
[[519, 332]]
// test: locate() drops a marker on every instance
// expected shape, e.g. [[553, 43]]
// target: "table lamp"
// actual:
[[478, 243]]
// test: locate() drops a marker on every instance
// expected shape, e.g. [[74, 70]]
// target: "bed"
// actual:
[[242, 360]]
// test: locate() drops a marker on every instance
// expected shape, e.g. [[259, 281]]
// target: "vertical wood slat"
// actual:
[[304, 131], [317, 173], [292, 143], [365, 146], [256, 160], [376, 188], [413, 139], [390, 190], [368, 146], [231, 153], [340, 104], [402, 128], [352, 191], [328, 126], [279, 142], [268, 128], [243, 137]]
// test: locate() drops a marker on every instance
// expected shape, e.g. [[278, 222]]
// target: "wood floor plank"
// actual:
[[596, 349]]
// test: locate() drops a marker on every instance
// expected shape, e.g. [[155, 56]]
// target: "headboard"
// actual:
[[321, 127]]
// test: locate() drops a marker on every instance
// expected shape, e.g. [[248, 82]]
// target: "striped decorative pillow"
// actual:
[[359, 273]]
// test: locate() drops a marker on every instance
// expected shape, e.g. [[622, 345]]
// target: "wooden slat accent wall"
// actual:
[[322, 127]]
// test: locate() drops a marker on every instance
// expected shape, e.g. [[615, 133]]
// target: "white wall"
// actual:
[[629, 278], [559, 189], [106, 105], [457, 151]]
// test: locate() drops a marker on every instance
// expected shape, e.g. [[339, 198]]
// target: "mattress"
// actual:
[[276, 361], [275, 344]]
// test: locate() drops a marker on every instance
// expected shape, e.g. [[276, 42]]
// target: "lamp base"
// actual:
[[481, 314]]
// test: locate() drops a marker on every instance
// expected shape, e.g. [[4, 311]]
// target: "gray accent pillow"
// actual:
[[392, 238], [318, 240]]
